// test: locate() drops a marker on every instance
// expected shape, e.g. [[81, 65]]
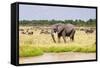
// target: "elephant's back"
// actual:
[[69, 27]]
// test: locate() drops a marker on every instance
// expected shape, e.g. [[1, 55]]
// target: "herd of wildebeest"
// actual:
[[29, 31], [62, 30], [45, 30]]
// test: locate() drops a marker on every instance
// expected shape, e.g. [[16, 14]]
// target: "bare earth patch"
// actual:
[[53, 57]]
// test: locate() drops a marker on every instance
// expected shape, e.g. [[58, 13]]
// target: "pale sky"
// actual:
[[37, 12]]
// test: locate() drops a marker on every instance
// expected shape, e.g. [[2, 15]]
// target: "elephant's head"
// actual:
[[57, 28]]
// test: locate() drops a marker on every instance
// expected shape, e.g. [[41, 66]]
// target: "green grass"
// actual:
[[70, 48], [27, 51]]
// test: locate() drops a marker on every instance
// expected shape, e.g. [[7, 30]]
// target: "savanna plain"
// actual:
[[37, 46]]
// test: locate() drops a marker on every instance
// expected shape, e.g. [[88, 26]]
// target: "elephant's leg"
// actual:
[[59, 38], [64, 36], [72, 38], [64, 39], [52, 35], [72, 35]]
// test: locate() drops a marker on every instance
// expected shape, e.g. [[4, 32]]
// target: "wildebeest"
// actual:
[[63, 30], [44, 32], [47, 32], [23, 32], [82, 29], [30, 33], [21, 29], [89, 31], [27, 32]]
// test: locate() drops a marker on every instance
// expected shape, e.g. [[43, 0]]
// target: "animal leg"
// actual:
[[72, 35], [64, 36], [59, 38], [53, 38], [64, 39], [72, 38]]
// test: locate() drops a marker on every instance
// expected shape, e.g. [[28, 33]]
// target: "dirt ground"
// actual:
[[53, 57]]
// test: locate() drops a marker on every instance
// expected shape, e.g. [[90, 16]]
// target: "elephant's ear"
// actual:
[[60, 28]]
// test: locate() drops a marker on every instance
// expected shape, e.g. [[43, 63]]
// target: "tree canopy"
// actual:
[[77, 22]]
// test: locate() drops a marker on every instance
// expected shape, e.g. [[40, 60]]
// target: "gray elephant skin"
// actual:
[[63, 30]]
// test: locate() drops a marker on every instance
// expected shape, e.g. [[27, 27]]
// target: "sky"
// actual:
[[37, 12]]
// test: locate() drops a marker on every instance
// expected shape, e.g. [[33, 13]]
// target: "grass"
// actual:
[[26, 51], [38, 44]]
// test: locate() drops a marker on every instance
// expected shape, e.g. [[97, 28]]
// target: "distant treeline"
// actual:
[[90, 22]]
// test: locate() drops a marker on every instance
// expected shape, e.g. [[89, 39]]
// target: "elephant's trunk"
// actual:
[[53, 37]]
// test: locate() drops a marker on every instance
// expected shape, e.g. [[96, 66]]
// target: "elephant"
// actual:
[[63, 30]]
